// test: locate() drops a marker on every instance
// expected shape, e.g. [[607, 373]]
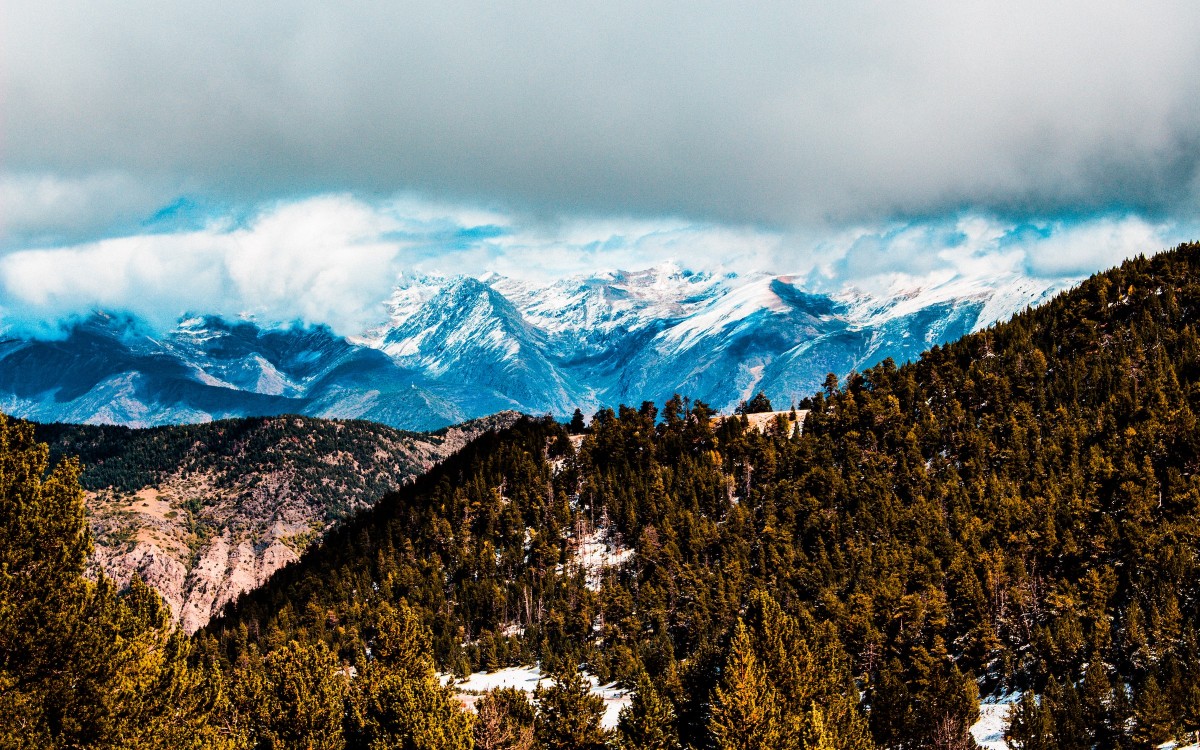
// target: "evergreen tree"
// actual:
[[1030, 725], [568, 715], [648, 722], [745, 708], [757, 405], [808, 669], [296, 699], [397, 700], [1095, 698], [947, 700], [43, 549], [80, 663], [1071, 731], [1152, 714], [504, 721], [891, 718], [817, 735]]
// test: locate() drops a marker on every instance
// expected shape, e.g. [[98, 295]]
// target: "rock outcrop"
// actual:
[[203, 513]]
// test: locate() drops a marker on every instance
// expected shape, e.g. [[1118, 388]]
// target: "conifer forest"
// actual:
[[1015, 514]]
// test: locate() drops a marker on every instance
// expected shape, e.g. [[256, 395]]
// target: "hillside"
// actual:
[[1016, 514], [204, 512], [1017, 511]]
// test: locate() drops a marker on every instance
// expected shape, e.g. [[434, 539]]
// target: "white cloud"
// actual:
[[334, 259], [981, 247], [320, 260], [45, 207], [1081, 248]]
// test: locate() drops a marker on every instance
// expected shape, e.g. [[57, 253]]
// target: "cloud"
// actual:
[[784, 115], [1080, 249], [317, 261], [329, 259], [45, 208], [334, 259], [989, 248]]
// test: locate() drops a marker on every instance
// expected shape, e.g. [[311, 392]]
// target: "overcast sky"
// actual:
[[774, 131]]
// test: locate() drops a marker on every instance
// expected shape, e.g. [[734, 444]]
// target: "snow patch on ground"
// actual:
[[527, 680], [993, 720], [595, 554]]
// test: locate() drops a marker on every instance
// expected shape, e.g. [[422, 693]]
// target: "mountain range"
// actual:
[[459, 347]]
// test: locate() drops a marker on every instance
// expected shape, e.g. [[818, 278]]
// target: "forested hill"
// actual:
[[204, 512], [1016, 511]]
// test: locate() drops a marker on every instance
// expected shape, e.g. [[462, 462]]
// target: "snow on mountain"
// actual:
[[998, 298], [451, 348], [611, 301], [472, 334]]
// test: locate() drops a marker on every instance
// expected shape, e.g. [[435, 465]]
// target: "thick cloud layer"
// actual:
[[785, 114]]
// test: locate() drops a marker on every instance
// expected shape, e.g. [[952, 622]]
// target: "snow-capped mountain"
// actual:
[[471, 333], [452, 348]]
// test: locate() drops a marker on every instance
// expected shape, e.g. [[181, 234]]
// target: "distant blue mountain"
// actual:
[[456, 348]]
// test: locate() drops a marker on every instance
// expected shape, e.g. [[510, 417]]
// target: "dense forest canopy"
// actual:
[[1017, 511]]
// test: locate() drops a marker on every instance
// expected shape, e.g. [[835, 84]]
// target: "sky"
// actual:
[[291, 159]]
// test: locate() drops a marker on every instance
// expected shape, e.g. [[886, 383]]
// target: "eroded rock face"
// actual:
[[210, 528], [161, 569], [224, 571], [221, 571]]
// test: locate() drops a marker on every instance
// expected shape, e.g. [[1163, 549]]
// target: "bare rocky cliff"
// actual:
[[203, 513]]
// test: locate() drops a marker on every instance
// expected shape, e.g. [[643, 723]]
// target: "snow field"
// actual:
[[527, 680], [988, 731]]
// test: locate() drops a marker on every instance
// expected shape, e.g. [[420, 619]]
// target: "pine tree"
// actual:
[[43, 549], [408, 712], [808, 669], [757, 405], [504, 721], [82, 664], [745, 710], [891, 718], [1071, 731], [648, 722], [301, 700], [1030, 725], [1152, 714], [397, 700], [568, 716], [1095, 697], [399, 641], [947, 700], [816, 735]]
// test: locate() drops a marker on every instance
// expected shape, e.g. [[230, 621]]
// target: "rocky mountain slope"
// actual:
[[203, 513], [457, 347]]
